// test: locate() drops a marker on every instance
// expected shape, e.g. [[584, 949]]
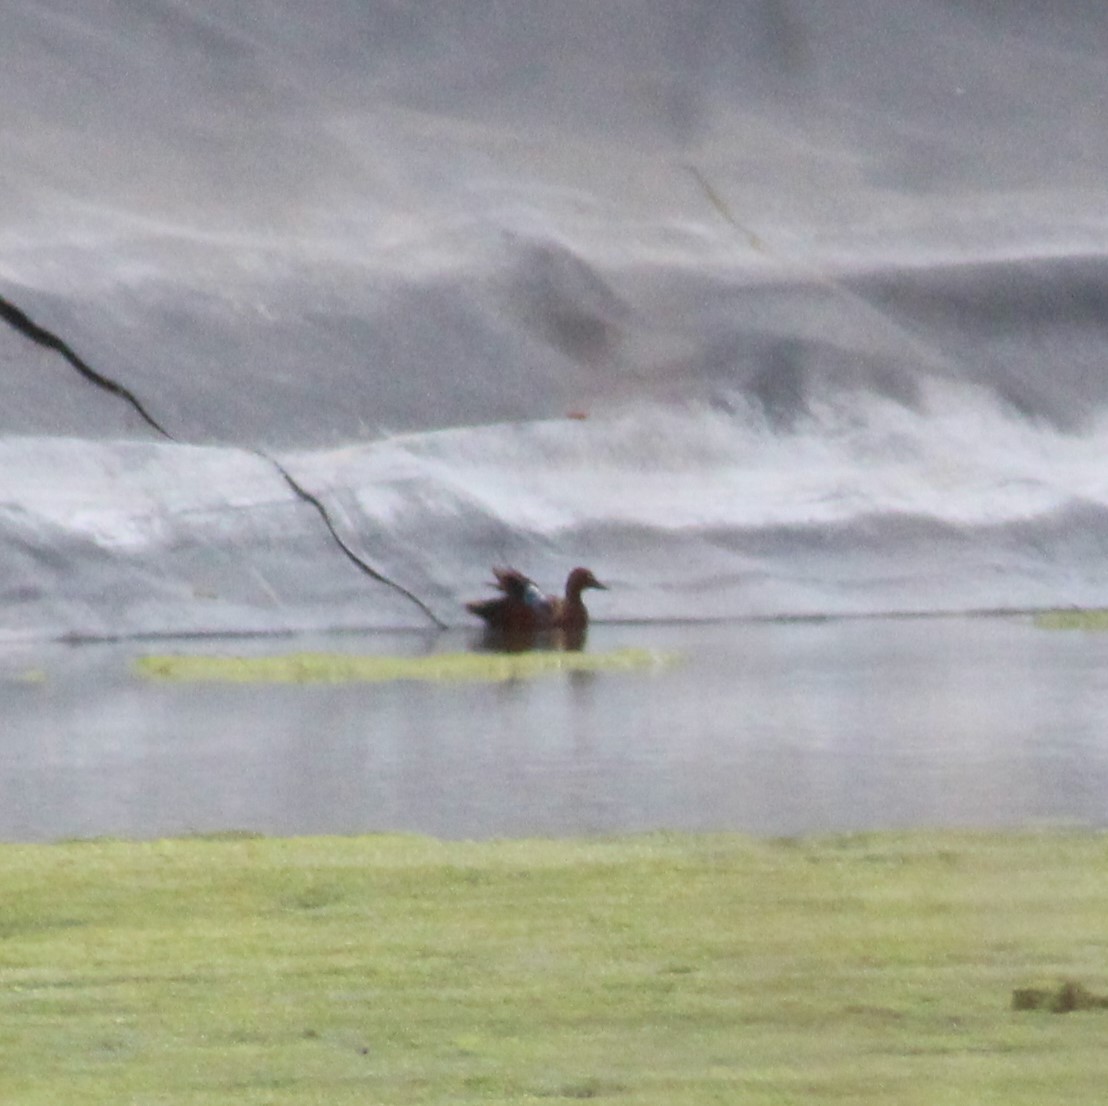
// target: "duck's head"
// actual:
[[581, 578]]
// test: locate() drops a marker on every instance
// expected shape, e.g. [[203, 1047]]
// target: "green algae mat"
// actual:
[[1094, 619], [885, 969], [354, 668]]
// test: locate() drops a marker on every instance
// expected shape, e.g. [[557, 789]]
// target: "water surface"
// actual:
[[768, 728]]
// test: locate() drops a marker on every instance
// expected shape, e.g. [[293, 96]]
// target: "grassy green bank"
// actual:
[[657, 969]]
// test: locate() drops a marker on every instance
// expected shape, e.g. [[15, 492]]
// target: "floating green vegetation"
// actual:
[[28, 676], [1073, 620], [337, 668]]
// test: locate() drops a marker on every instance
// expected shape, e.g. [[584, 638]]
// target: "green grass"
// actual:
[[349, 667], [655, 969]]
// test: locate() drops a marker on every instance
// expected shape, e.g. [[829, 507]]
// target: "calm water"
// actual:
[[768, 728]]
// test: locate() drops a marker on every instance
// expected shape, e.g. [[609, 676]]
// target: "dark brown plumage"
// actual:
[[522, 608]]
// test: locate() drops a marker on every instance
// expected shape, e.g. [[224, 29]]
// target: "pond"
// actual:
[[768, 728]]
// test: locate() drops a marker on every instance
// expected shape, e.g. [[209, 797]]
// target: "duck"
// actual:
[[569, 611], [523, 608]]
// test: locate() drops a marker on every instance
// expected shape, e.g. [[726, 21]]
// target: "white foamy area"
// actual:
[[863, 505], [963, 461], [870, 507]]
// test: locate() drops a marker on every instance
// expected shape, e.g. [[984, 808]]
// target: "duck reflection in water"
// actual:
[[521, 617]]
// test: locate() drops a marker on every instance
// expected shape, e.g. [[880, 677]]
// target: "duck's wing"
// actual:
[[491, 610], [512, 582]]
